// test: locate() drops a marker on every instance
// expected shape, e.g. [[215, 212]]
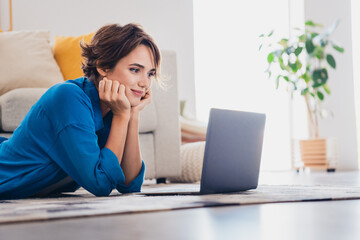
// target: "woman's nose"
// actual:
[[145, 82]]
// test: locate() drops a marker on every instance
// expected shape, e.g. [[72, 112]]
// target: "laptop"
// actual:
[[232, 155]]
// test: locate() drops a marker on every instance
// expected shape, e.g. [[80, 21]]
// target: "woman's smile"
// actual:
[[138, 93]]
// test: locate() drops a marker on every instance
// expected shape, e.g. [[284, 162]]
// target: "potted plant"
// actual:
[[303, 62]]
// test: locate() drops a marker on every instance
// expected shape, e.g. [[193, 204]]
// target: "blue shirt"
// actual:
[[63, 135]]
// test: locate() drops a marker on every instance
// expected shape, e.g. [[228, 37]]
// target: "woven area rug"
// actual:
[[83, 204]]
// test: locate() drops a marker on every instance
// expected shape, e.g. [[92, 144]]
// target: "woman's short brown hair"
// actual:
[[111, 43]]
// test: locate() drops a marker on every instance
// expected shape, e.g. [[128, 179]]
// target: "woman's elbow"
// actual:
[[101, 191], [122, 188]]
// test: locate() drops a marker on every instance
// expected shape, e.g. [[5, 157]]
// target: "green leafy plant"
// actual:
[[303, 62]]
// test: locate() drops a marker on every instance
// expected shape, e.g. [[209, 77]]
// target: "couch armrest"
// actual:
[[15, 104], [167, 133]]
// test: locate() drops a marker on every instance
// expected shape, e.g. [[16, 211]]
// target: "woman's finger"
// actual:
[[122, 90], [101, 86], [102, 89], [147, 94], [108, 85], [115, 88]]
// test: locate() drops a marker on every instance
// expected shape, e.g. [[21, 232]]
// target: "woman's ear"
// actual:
[[101, 72]]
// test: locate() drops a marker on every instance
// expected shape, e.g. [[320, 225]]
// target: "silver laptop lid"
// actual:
[[232, 152]]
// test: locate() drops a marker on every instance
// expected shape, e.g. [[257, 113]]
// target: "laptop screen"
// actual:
[[233, 151]]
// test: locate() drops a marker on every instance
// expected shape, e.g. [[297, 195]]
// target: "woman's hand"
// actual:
[[112, 93], [143, 102]]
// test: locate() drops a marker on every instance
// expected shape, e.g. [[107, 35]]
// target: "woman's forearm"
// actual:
[[117, 135], [131, 162]]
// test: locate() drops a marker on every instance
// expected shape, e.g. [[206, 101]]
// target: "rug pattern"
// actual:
[[83, 204]]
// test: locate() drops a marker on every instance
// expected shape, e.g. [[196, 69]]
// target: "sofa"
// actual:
[[159, 122]]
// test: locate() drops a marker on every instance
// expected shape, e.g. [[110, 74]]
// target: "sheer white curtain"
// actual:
[[229, 69]]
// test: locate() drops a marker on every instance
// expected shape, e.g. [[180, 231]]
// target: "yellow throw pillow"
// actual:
[[67, 53]]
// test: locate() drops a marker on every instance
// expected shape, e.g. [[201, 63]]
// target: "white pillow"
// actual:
[[26, 61]]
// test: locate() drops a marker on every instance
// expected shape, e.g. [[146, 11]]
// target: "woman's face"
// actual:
[[136, 71]]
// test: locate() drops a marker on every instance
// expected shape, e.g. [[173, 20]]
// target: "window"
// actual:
[[229, 69]]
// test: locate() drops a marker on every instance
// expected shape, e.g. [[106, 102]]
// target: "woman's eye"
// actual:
[[151, 74], [135, 70]]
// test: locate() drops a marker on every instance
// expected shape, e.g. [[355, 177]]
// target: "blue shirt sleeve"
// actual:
[[2, 139], [98, 171], [135, 185], [77, 153]]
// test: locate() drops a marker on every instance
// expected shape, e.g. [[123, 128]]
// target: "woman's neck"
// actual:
[[104, 109]]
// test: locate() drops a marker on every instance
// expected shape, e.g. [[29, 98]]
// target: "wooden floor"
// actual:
[[303, 220]]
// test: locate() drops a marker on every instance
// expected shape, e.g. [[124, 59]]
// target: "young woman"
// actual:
[[84, 132]]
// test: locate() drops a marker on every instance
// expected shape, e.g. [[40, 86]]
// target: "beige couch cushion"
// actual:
[[148, 154], [15, 104], [148, 119], [26, 60]]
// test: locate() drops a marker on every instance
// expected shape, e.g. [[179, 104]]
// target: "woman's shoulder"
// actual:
[[64, 104], [68, 88], [68, 91], [67, 95]]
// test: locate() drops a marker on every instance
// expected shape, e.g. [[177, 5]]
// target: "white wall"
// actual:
[[170, 22], [355, 24], [341, 81]]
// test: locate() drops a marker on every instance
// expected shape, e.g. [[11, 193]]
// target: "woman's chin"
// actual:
[[135, 103]]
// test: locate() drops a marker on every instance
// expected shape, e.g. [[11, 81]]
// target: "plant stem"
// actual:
[[316, 130], [312, 120]]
